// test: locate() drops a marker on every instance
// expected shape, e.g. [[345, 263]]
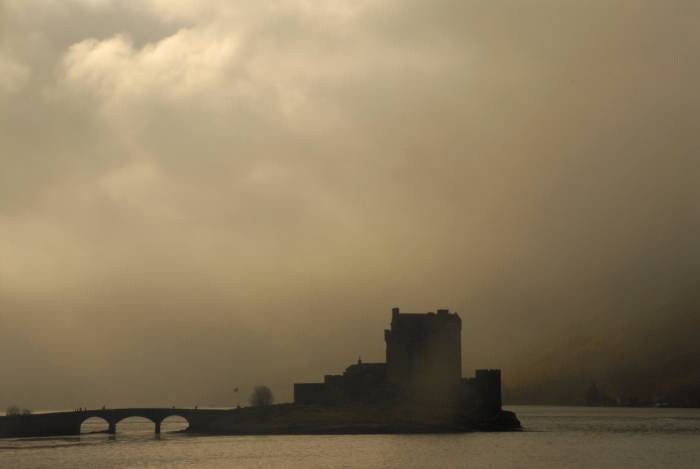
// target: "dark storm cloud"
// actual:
[[221, 193]]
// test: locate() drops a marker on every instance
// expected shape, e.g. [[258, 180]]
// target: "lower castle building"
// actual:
[[423, 365]]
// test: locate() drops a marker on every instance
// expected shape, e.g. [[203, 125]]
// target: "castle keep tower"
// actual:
[[424, 352]]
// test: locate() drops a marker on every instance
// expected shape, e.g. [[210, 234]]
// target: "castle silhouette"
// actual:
[[423, 367]]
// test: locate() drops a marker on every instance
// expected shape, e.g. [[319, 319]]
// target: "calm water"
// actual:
[[555, 437]]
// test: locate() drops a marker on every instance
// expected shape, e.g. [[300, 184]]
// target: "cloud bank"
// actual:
[[198, 195]]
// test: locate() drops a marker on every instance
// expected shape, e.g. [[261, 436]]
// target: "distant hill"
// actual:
[[657, 360]]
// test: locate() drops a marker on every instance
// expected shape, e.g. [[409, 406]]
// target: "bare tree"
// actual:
[[261, 396], [14, 410]]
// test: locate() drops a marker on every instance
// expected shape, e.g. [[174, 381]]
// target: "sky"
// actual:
[[198, 195]]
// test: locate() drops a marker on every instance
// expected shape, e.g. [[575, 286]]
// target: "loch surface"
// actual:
[[554, 437]]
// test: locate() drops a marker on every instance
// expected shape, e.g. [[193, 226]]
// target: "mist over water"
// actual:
[[202, 195]]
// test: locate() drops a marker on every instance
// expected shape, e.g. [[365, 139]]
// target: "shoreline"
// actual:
[[286, 419]]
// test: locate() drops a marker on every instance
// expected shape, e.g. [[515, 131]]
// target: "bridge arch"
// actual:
[[174, 423], [137, 423], [94, 424]]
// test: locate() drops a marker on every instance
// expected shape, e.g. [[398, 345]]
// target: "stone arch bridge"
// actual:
[[69, 423]]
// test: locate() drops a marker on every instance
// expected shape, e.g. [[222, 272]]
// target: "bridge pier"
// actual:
[[157, 427], [112, 428]]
